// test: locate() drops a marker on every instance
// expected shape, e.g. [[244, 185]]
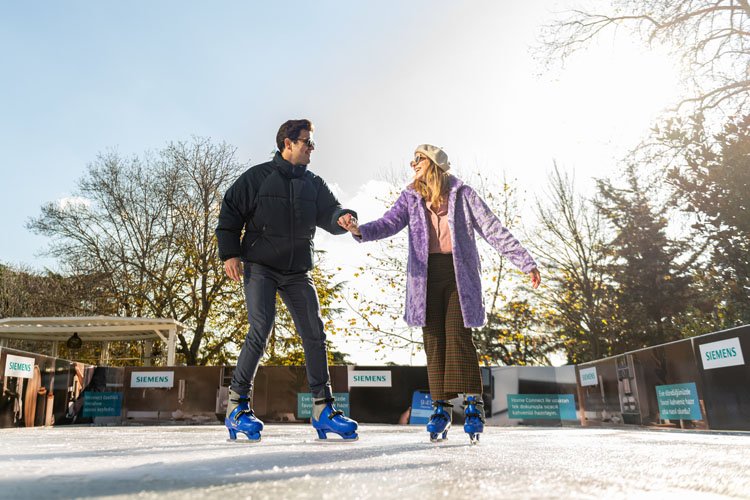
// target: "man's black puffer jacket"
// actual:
[[278, 205]]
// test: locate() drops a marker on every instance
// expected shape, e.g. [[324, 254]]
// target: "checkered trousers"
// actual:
[[452, 362]]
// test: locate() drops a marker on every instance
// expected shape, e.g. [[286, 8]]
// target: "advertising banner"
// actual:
[[421, 408], [305, 403], [102, 404], [542, 406], [678, 402]]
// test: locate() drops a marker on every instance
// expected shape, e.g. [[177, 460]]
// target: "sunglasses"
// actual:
[[418, 158], [307, 142]]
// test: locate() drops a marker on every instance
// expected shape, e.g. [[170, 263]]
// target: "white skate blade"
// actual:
[[243, 441], [439, 436], [336, 440]]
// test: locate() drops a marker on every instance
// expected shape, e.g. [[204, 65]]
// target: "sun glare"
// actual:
[[615, 94]]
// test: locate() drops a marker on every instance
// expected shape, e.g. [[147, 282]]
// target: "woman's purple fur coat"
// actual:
[[466, 212]]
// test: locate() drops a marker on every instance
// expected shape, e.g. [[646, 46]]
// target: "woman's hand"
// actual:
[[536, 278], [348, 222]]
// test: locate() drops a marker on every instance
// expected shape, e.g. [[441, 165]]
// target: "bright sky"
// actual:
[[376, 78]]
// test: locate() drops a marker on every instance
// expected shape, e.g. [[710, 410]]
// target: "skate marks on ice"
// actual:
[[177, 462], [387, 462]]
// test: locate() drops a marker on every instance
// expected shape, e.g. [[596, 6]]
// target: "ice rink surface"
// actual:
[[386, 462]]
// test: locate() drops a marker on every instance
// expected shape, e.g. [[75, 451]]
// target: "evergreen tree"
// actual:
[[653, 284], [710, 177]]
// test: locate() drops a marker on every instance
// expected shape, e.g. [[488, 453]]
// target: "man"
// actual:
[[278, 205]]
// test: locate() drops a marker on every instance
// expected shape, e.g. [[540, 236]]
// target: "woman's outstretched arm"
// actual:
[[499, 237], [393, 221]]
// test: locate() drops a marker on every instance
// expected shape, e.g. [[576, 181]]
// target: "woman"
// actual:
[[444, 288]]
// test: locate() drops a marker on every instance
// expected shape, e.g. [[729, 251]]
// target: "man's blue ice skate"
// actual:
[[333, 420], [474, 423], [243, 420], [440, 421]]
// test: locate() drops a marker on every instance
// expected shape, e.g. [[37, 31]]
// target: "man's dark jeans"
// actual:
[[301, 299]]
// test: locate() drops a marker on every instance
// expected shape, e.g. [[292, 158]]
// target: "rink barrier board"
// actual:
[[697, 383]]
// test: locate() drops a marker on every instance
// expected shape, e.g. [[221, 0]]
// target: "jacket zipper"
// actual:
[[291, 222], [262, 232]]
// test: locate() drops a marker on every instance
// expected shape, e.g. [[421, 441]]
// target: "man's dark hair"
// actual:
[[291, 130]]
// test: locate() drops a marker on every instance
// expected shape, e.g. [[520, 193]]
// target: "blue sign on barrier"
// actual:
[[305, 403], [421, 408], [542, 406], [678, 402], [102, 404]]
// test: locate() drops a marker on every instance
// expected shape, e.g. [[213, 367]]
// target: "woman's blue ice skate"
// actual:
[[333, 420], [474, 423], [243, 420], [440, 421]]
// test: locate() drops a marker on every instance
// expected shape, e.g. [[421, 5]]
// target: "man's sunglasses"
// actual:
[[307, 142]]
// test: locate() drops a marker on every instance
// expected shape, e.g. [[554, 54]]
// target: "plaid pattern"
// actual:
[[452, 362]]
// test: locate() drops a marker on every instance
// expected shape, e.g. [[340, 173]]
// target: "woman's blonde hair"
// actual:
[[433, 186]]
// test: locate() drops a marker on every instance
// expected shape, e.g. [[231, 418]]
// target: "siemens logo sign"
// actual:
[[19, 366], [588, 376], [152, 379], [721, 354], [24, 367], [362, 378]]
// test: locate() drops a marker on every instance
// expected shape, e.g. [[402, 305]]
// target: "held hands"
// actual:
[[233, 268], [536, 278], [348, 222]]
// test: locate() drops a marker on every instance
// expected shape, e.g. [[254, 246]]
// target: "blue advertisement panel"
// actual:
[[678, 402], [305, 403], [542, 406], [102, 404], [421, 408]]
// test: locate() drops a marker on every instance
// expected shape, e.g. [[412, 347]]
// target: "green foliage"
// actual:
[[512, 336]]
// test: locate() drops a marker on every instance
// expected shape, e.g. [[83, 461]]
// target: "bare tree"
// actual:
[[147, 226], [711, 38], [28, 293], [376, 314], [572, 245], [514, 333]]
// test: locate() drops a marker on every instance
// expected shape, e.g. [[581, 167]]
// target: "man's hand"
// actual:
[[233, 268], [348, 222], [536, 278]]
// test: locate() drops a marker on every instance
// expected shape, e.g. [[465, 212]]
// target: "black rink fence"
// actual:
[[697, 383]]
